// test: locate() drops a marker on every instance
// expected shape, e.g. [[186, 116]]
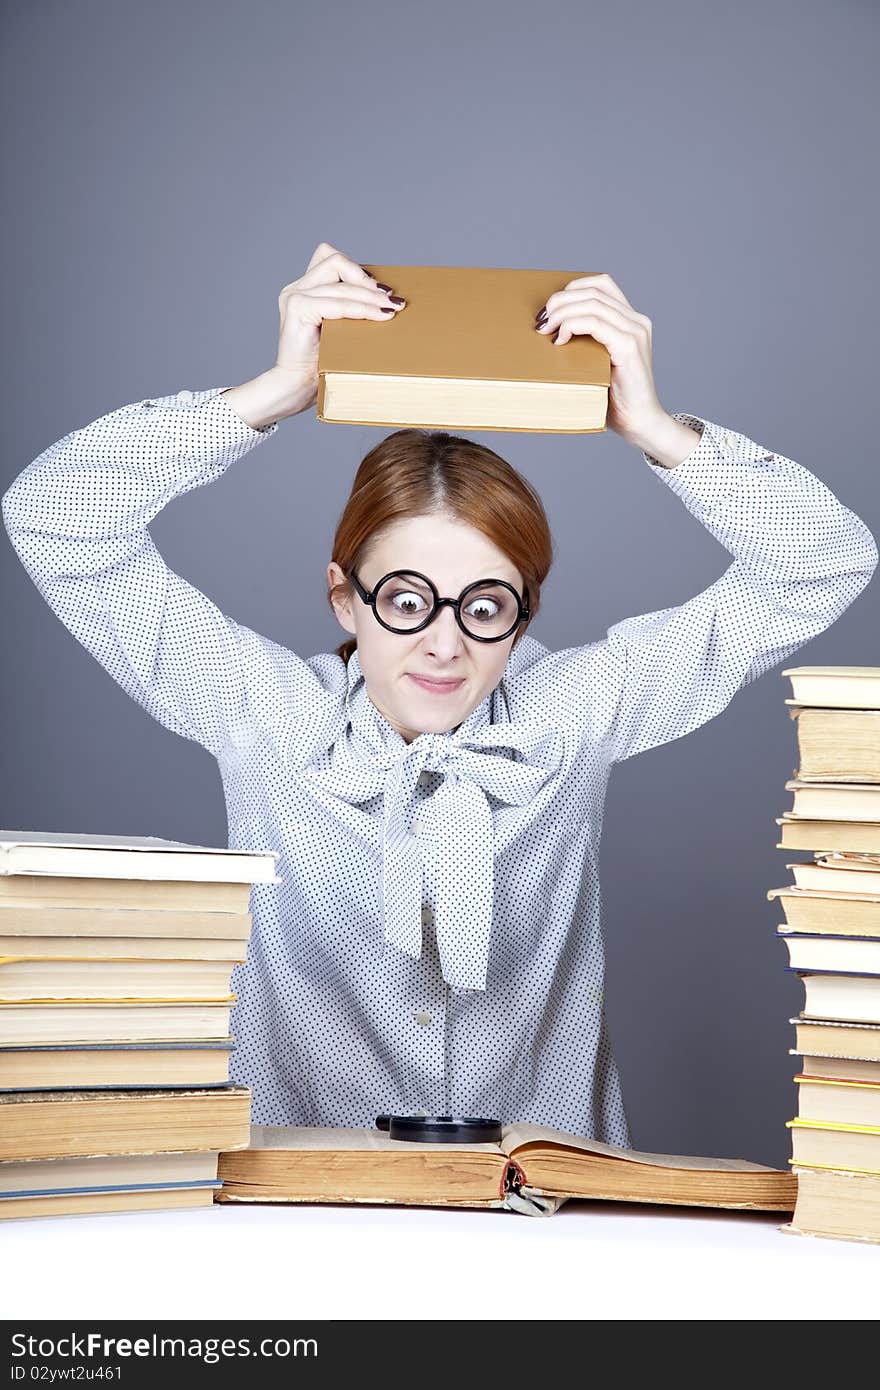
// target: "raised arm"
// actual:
[[801, 558], [78, 517]]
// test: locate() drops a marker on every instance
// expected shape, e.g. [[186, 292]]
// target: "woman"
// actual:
[[435, 787]]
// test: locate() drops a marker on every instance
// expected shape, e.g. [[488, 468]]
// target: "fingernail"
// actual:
[[368, 272], [542, 311], [380, 286], [542, 319], [386, 309], [396, 299]]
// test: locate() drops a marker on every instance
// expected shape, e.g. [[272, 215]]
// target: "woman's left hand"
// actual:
[[595, 305]]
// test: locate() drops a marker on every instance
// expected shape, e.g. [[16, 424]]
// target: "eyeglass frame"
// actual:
[[369, 597]]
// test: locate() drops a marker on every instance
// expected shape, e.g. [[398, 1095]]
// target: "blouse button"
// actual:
[[730, 439], [422, 1017], [427, 915]]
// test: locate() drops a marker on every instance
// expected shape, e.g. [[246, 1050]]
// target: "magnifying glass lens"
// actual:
[[441, 1129]]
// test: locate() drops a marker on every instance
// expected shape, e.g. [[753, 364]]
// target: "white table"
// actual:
[[590, 1260]]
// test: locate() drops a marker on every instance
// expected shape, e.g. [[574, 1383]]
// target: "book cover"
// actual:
[[470, 327]]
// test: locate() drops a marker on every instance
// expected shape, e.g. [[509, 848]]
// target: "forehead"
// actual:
[[448, 550]]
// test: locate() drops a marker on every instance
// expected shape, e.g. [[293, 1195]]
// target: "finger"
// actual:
[[321, 252], [591, 295], [611, 314], [330, 268], [602, 282], [312, 308], [367, 294], [621, 343]]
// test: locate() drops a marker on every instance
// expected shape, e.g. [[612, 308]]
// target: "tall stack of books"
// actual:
[[116, 961], [832, 933]]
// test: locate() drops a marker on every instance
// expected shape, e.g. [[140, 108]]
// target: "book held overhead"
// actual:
[[463, 356]]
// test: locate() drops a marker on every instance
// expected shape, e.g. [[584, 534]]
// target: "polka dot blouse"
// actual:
[[435, 945]]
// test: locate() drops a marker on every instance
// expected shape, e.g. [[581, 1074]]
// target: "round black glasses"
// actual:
[[405, 601]]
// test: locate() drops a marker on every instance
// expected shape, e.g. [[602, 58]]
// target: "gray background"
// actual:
[[169, 167]]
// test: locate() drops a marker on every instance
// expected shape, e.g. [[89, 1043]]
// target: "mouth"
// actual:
[[438, 687]]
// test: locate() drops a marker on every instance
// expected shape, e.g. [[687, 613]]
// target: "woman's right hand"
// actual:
[[333, 287]]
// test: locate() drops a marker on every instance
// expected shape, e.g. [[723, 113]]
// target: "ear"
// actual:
[[341, 604]]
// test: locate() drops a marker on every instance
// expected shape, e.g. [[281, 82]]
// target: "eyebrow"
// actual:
[[487, 574]]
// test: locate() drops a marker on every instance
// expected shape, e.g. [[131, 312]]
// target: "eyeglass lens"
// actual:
[[404, 601]]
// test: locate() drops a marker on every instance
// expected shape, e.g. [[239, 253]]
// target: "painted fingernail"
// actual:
[[396, 299], [380, 286], [542, 311], [541, 320], [386, 309]]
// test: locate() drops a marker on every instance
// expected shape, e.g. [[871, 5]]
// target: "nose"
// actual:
[[443, 638]]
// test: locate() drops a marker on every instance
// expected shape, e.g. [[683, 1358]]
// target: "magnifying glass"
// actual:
[[441, 1129]]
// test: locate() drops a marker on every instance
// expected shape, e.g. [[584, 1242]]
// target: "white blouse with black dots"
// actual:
[[435, 945]]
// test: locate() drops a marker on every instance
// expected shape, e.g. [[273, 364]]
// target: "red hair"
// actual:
[[415, 472]]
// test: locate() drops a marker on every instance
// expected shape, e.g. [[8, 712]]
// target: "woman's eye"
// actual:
[[483, 608], [408, 602]]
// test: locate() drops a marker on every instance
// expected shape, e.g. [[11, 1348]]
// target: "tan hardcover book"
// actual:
[[107, 906], [835, 1203], [840, 1068], [848, 859], [37, 1177], [134, 857], [81, 1203], [836, 687], [53, 1066], [812, 951], [833, 1040], [114, 1021], [833, 1144], [66, 1124], [844, 801], [858, 838], [841, 875], [26, 979], [832, 914], [832, 1098], [124, 947], [463, 355], [533, 1170], [849, 998], [837, 745]]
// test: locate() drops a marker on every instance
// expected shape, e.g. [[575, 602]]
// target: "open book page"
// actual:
[[514, 1137]]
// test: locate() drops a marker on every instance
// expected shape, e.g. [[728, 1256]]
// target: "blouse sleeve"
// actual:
[[77, 517], [800, 559]]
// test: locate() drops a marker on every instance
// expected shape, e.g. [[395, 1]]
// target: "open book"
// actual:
[[533, 1170]]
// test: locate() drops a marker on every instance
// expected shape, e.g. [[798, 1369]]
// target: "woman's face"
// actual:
[[452, 554]]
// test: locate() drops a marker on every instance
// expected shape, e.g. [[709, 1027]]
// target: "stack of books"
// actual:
[[116, 961], [832, 934]]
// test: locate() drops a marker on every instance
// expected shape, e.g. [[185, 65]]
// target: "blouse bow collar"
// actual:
[[487, 753]]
